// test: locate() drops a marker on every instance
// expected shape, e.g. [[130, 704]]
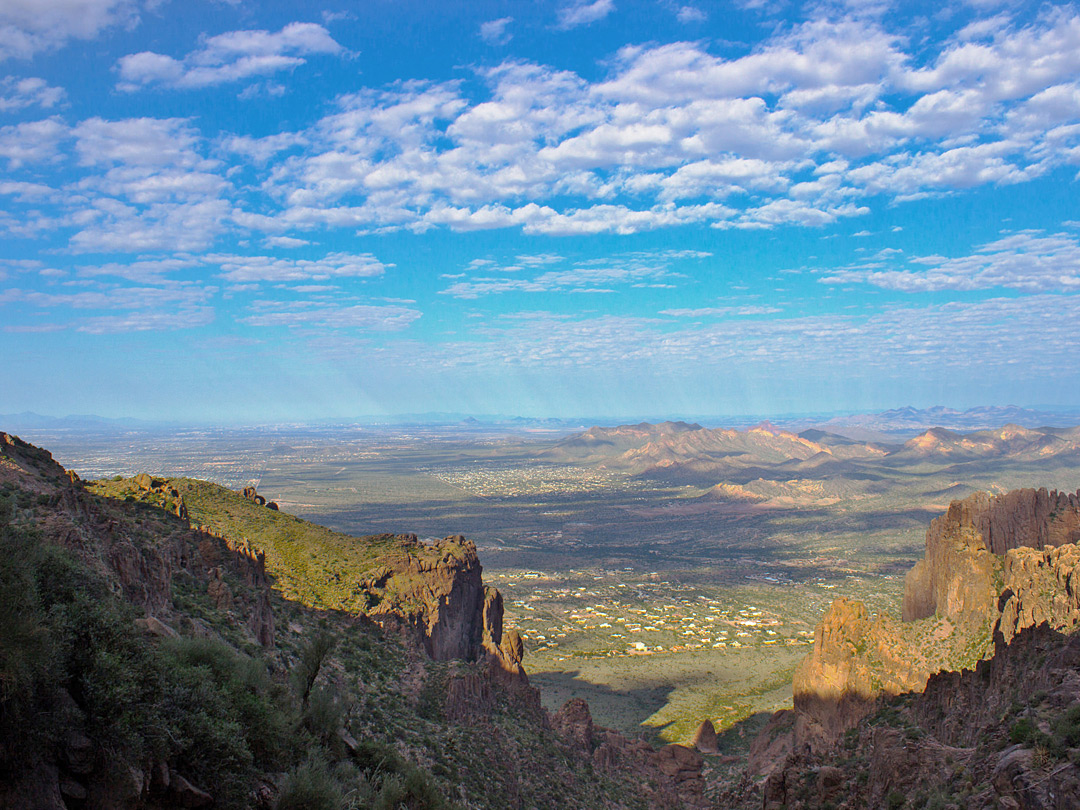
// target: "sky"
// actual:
[[246, 211]]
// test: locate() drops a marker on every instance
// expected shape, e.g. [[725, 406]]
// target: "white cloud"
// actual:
[[494, 32], [931, 340], [634, 269], [112, 226], [811, 126], [30, 26], [268, 268], [123, 309], [690, 14], [262, 150], [704, 312], [584, 12], [315, 315], [228, 57], [1028, 261], [32, 142], [285, 242], [18, 94]]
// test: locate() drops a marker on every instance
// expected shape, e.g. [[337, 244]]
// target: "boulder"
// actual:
[[155, 627], [705, 738]]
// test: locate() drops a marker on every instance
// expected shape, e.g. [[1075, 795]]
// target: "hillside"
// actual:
[[149, 658]]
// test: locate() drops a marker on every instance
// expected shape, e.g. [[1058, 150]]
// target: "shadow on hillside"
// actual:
[[735, 740], [623, 709]]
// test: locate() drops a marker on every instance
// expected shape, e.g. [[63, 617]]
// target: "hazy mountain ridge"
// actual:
[[765, 460], [902, 423]]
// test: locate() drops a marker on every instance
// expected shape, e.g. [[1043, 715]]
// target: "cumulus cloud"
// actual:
[[228, 58], [690, 14], [18, 94], [793, 133], [30, 26], [269, 268], [819, 122], [32, 142]]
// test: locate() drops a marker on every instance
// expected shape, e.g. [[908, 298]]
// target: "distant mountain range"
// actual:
[[906, 422], [690, 452], [896, 425]]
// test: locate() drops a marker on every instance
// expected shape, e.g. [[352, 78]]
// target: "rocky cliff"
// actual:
[[958, 577], [141, 559], [994, 565]]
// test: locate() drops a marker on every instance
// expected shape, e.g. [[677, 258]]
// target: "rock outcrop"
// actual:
[[705, 738], [1002, 735], [994, 565], [956, 578]]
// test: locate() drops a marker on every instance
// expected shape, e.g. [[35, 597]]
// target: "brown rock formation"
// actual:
[[574, 723], [705, 738], [672, 774], [953, 578], [953, 739], [1040, 586], [451, 613], [993, 564]]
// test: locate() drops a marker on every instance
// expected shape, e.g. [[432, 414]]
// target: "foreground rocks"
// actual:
[[1004, 735], [973, 700]]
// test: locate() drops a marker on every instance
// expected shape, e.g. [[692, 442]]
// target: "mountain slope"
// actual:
[[146, 662]]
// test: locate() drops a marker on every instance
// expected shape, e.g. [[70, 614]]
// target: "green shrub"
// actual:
[[1022, 731], [1066, 728], [310, 786]]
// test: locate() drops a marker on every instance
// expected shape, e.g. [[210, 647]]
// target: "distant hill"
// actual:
[[28, 420], [1011, 441], [600, 443], [688, 450]]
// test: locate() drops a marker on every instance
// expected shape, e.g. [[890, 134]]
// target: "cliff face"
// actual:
[[957, 578], [923, 701], [994, 566], [438, 594]]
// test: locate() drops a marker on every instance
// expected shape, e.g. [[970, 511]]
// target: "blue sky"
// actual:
[[249, 211]]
